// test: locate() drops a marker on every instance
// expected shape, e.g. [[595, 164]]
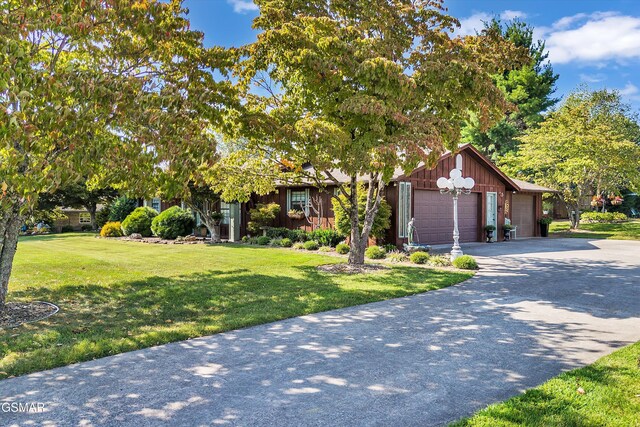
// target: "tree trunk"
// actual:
[[212, 226], [9, 229], [92, 208], [359, 239]]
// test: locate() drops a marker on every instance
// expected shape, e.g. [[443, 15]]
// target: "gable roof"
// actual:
[[533, 188]]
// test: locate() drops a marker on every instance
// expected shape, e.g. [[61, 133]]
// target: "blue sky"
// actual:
[[592, 42]]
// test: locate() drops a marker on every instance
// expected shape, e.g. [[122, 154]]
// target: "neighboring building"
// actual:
[[76, 218], [494, 198]]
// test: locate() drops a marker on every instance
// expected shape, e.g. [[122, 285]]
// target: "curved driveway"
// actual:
[[536, 308]]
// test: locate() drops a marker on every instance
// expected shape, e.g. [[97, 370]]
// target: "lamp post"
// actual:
[[455, 186]]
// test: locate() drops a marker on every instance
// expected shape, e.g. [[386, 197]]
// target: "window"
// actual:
[[404, 208], [156, 204], [224, 209], [84, 218], [298, 200]]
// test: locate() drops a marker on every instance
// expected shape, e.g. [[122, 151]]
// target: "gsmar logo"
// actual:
[[22, 407]]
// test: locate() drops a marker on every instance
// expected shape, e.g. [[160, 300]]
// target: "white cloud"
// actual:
[[243, 6], [594, 38], [593, 78], [629, 90], [474, 23]]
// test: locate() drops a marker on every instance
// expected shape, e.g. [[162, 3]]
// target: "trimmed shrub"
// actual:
[[111, 229], [263, 240], [465, 262], [173, 222], [139, 221], [326, 236], [342, 248], [121, 208], [298, 246], [603, 217], [419, 257], [381, 222], [66, 229], [397, 256], [245, 239], [286, 242], [389, 247], [440, 261], [375, 252], [262, 216], [325, 249], [311, 245], [275, 242]]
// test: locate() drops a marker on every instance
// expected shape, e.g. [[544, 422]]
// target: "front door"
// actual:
[[492, 211]]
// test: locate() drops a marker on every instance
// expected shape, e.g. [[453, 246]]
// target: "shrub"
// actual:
[[286, 242], [278, 232], [66, 229], [275, 242], [397, 256], [102, 216], [252, 240], [262, 216], [603, 217], [111, 229], [173, 222], [375, 252], [381, 222], [298, 235], [326, 236], [121, 208], [139, 221], [311, 245], [325, 249], [440, 261], [465, 262], [263, 240], [419, 257], [389, 247], [545, 219], [298, 245], [245, 239], [86, 227], [342, 248]]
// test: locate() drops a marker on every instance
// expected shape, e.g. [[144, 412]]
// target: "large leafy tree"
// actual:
[[364, 87], [529, 88], [107, 90], [588, 146]]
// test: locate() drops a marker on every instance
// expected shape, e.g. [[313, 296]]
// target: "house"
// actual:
[[416, 195], [76, 219]]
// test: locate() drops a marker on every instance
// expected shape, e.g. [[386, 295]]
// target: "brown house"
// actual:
[[494, 198]]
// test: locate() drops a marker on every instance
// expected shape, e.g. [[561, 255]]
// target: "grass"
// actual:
[[611, 398], [629, 230], [118, 296]]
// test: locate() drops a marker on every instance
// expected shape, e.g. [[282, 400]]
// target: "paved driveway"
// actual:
[[537, 308]]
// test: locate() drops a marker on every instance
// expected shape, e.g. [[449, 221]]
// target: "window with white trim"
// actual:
[[84, 218], [156, 204], [224, 209], [298, 200], [404, 208]]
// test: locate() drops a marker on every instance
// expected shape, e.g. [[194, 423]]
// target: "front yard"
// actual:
[[118, 296], [629, 230]]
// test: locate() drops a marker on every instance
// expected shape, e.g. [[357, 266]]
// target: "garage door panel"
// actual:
[[433, 213], [523, 215]]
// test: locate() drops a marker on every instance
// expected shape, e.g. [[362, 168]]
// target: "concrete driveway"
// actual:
[[537, 308]]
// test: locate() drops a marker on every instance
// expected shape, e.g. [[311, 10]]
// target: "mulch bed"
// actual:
[[352, 269], [16, 313]]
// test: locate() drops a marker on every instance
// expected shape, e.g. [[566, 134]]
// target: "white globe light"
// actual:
[[450, 184], [455, 173], [469, 183], [459, 182], [442, 182]]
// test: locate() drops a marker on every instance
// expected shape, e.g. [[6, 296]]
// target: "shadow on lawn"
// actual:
[[100, 320]]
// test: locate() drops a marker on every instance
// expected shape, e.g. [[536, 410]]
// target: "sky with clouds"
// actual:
[[591, 42]]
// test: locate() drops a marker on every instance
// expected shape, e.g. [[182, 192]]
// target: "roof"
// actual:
[[530, 187]]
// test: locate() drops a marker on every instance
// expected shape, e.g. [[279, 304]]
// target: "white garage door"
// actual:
[[523, 215], [433, 213]]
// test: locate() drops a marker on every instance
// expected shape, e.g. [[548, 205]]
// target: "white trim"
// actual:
[[404, 208]]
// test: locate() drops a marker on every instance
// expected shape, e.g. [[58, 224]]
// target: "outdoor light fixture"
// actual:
[[455, 186]]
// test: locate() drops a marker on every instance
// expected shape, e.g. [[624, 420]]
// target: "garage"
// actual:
[[523, 214], [433, 213]]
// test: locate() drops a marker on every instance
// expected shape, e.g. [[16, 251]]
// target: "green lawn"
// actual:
[[117, 296], [629, 230], [611, 398]]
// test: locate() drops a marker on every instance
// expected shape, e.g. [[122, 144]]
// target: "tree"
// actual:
[[109, 91], [363, 88], [529, 88], [78, 195], [381, 221], [581, 149]]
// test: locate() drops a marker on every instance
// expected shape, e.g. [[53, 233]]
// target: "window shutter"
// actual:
[[288, 199], [307, 201]]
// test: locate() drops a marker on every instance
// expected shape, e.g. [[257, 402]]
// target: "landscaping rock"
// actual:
[[135, 236]]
